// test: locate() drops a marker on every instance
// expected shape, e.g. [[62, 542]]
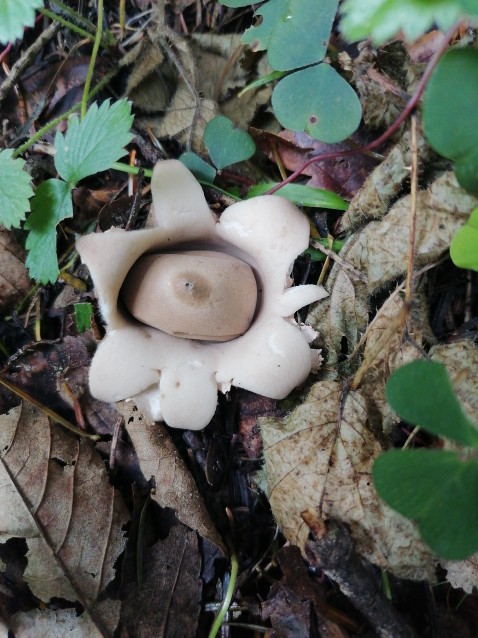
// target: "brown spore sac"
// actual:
[[204, 295]]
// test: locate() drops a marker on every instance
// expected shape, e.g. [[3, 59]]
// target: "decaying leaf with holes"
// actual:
[[56, 495], [320, 457]]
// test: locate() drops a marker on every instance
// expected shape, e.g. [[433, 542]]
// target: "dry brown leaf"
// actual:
[[159, 458], [385, 358], [14, 279], [313, 460], [463, 573], [164, 83], [222, 72], [341, 318], [380, 252], [384, 183], [56, 494], [49, 623], [171, 579]]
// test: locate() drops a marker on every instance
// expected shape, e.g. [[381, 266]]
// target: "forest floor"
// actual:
[[266, 522]]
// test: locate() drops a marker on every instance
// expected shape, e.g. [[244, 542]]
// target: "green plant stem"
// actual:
[[82, 20], [69, 25], [390, 131], [131, 170], [216, 626], [48, 411], [41, 132], [94, 53]]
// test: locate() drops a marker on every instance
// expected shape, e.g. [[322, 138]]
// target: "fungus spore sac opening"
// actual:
[[207, 295]]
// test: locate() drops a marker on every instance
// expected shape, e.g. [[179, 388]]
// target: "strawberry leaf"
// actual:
[[382, 19], [94, 143], [52, 203], [14, 16], [13, 201]]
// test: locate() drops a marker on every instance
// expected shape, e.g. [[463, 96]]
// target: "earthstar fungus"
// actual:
[[194, 304]]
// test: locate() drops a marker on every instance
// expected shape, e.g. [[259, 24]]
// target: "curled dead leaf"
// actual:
[[175, 486]]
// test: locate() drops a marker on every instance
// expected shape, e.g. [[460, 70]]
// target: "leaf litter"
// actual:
[[319, 446]]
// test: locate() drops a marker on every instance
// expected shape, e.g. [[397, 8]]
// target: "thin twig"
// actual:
[[54, 416], [413, 212], [22, 63], [333, 551], [344, 264]]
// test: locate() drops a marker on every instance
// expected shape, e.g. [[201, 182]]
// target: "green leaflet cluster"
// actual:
[[89, 146], [312, 96], [436, 489], [382, 19], [14, 16]]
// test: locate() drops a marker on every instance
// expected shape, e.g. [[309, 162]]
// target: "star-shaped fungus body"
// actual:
[[193, 304]]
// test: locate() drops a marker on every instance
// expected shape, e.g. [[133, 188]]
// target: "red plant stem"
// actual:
[[8, 48], [391, 129], [5, 52]]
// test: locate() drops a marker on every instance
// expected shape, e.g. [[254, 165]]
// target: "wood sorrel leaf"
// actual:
[[438, 491], [464, 246], [227, 144], [294, 32], [319, 101], [422, 394], [451, 125], [198, 167]]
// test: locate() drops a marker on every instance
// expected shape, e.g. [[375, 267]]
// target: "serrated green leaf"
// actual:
[[51, 204], [83, 312], [234, 4], [319, 101], [227, 144], [302, 195], [464, 245], [438, 491], [94, 143], [198, 167], [456, 74], [422, 394], [382, 19], [15, 15], [294, 32], [14, 201]]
